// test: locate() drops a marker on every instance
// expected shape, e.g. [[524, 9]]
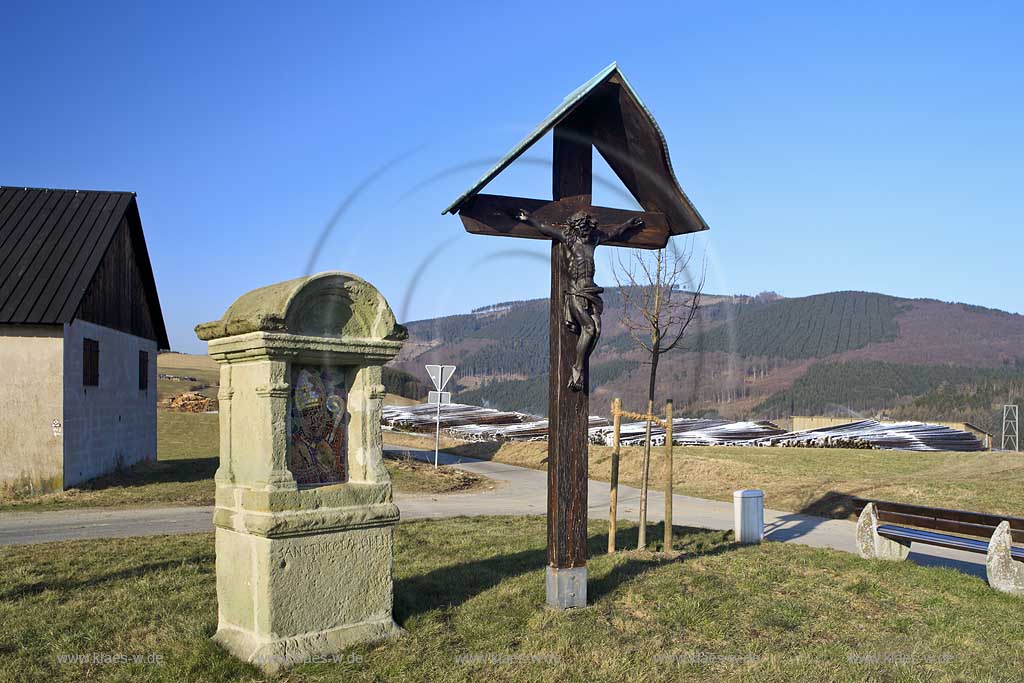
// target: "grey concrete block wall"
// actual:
[[31, 399], [113, 424]]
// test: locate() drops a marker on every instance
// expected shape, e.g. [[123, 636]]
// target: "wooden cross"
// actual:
[[604, 113]]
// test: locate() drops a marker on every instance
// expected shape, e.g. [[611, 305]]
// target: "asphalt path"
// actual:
[[518, 491]]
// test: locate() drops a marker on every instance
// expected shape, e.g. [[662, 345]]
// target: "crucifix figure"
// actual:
[[582, 302], [604, 114]]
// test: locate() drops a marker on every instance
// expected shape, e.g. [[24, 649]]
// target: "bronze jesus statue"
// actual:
[[582, 305]]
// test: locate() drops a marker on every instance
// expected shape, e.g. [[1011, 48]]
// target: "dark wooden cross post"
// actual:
[[568, 410], [568, 407], [604, 113]]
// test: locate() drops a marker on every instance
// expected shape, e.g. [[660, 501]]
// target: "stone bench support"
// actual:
[[1004, 573], [871, 545]]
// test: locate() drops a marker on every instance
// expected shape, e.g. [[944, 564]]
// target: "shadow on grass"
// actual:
[[484, 450], [834, 504], [65, 586], [162, 471], [452, 585], [688, 543]]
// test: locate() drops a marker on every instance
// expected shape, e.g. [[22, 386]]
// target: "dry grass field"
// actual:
[[817, 481], [203, 368]]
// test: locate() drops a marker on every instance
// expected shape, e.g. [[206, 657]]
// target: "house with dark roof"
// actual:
[[80, 329]]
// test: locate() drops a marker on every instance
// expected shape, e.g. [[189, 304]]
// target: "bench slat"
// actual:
[[979, 518], [939, 524], [900, 533]]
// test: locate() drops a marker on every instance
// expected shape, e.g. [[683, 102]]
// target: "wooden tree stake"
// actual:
[[613, 494]]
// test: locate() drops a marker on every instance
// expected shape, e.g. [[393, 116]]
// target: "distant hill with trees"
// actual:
[[750, 356], [808, 327], [900, 391], [402, 383]]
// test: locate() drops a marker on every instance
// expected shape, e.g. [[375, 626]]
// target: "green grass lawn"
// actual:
[[185, 436], [470, 593], [817, 481], [160, 484], [187, 447]]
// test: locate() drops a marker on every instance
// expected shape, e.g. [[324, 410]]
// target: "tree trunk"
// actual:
[[613, 493], [668, 476], [646, 467]]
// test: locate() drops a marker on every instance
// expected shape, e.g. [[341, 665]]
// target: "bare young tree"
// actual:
[[661, 297]]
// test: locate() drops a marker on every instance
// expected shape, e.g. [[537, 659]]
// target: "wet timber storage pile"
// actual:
[[471, 423], [688, 431], [903, 436]]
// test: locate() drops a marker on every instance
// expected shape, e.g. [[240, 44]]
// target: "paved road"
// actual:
[[520, 491]]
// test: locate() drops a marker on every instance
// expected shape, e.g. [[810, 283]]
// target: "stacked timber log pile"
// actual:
[[471, 423], [422, 417], [731, 434], [688, 431], [189, 402], [633, 433], [536, 430], [904, 436]]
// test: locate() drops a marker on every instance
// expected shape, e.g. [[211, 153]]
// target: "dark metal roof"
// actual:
[[629, 139], [52, 242]]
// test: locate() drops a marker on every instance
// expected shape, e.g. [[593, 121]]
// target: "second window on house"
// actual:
[[90, 363]]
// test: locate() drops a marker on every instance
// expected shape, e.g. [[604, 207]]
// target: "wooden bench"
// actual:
[[885, 530]]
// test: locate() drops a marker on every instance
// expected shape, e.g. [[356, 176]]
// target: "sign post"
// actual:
[[439, 375]]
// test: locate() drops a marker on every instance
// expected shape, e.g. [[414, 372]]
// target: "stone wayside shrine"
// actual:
[[304, 513], [604, 113]]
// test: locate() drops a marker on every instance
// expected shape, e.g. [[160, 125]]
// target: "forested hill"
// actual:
[[742, 351], [808, 327], [901, 391]]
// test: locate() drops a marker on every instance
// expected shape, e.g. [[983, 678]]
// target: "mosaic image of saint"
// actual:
[[317, 453]]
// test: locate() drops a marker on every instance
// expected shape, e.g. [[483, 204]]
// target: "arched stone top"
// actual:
[[332, 304]]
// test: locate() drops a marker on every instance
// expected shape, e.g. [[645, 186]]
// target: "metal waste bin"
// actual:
[[748, 515]]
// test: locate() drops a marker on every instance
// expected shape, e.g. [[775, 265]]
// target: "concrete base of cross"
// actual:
[[567, 587]]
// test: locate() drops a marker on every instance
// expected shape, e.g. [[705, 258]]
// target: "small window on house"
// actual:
[[143, 370], [90, 362]]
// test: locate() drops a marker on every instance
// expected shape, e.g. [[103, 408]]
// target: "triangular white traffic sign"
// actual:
[[440, 374], [435, 375]]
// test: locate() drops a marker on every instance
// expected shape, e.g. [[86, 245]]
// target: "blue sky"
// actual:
[[873, 146]]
